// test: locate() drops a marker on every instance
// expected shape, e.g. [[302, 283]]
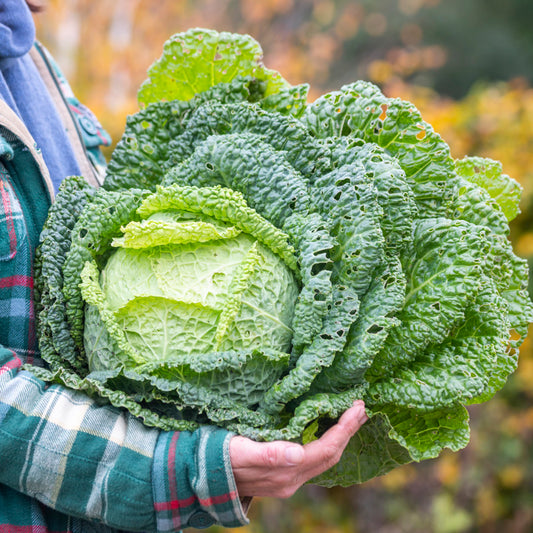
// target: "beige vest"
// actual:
[[13, 123]]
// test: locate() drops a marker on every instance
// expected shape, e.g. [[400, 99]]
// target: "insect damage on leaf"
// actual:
[[258, 262]]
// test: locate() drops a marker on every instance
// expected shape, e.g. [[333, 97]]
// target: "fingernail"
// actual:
[[294, 455], [363, 416]]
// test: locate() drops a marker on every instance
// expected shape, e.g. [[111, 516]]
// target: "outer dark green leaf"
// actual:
[[283, 133], [347, 199], [53, 328], [360, 110], [473, 204], [425, 435], [246, 163], [376, 317], [318, 355], [370, 453], [458, 369], [142, 155], [443, 276]]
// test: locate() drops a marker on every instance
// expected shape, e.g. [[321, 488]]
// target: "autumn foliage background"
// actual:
[[468, 66]]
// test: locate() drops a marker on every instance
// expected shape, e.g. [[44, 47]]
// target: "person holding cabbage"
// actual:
[[69, 463]]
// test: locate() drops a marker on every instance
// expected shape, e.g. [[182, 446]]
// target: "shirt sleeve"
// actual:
[[99, 463], [193, 481]]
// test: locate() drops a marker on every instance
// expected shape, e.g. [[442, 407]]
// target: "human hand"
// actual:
[[280, 468]]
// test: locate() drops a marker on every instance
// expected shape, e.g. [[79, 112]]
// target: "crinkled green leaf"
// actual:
[[313, 243], [377, 316], [167, 230], [510, 274], [287, 100], [329, 406], [55, 243], [242, 376], [246, 163], [360, 110], [284, 133], [458, 369], [394, 194], [443, 275], [91, 238], [473, 204], [347, 199], [303, 257], [425, 435], [487, 174], [142, 155], [221, 204], [108, 327], [318, 354], [196, 60], [370, 453]]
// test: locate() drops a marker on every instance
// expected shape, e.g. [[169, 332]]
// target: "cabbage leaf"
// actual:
[[259, 262]]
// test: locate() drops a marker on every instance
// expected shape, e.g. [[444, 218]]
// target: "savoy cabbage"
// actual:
[[259, 262]]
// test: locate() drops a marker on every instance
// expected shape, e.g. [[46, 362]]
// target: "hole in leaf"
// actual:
[[319, 297], [148, 149], [319, 267], [374, 328], [389, 281], [514, 335]]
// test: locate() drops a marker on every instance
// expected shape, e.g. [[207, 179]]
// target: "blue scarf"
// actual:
[[23, 90]]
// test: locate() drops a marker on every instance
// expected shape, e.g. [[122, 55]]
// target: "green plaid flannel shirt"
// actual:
[[67, 463]]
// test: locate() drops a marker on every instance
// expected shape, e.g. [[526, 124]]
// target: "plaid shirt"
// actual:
[[67, 463]]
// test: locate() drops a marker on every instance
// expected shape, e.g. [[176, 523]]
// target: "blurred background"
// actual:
[[468, 66]]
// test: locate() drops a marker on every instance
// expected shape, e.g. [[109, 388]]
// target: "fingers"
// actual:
[[325, 452], [281, 453], [247, 453], [346, 427], [266, 468], [279, 468]]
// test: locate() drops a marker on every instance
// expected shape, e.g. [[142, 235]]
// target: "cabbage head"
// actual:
[[259, 262]]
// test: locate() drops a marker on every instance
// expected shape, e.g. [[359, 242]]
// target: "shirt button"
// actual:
[[201, 520], [88, 125]]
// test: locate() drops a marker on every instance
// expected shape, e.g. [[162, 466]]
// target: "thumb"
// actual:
[[294, 454]]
